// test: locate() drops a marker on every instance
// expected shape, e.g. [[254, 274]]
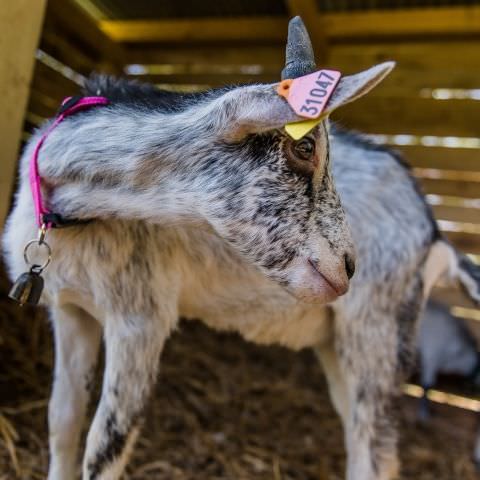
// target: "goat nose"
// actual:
[[349, 266]]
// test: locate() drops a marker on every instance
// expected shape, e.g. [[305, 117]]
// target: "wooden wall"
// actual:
[[71, 47], [16, 53]]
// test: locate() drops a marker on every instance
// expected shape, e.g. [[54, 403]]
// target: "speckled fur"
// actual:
[[195, 224]]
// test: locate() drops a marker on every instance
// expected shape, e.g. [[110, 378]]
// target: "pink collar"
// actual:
[[69, 106]]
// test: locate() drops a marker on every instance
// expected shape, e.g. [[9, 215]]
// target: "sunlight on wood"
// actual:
[[442, 397], [425, 140], [471, 313]]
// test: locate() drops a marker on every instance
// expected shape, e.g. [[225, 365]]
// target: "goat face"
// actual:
[[279, 205], [276, 203], [274, 198]]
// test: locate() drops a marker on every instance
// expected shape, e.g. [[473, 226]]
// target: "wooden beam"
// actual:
[[422, 22], [271, 58], [413, 53], [211, 80], [67, 18], [20, 24], [52, 83], [403, 22], [464, 159], [457, 214], [66, 52], [256, 29], [452, 296], [466, 242], [420, 116], [452, 188], [420, 64]]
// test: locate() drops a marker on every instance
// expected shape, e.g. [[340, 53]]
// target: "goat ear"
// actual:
[[355, 86], [254, 109]]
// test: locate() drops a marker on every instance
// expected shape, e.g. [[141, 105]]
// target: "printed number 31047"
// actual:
[[317, 94]]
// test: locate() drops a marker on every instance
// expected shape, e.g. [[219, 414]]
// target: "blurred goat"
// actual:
[[445, 346]]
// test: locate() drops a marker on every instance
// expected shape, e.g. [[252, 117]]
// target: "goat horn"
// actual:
[[299, 58]]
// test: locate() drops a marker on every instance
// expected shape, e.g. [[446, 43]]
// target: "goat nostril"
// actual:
[[349, 266]]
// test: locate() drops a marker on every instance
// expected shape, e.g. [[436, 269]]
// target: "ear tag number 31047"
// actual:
[[308, 97]]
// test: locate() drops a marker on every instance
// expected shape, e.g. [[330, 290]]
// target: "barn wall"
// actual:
[[16, 52]]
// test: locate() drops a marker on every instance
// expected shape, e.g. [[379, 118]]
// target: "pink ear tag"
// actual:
[[308, 96]]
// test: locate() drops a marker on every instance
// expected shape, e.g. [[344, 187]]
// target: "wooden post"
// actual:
[[20, 24]]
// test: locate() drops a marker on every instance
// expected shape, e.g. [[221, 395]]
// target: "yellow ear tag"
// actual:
[[297, 130]]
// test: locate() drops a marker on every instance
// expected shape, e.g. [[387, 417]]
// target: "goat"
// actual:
[[445, 345], [202, 207]]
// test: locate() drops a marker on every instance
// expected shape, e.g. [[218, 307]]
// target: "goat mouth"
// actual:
[[335, 289]]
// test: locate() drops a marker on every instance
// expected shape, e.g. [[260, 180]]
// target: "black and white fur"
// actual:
[[197, 212]]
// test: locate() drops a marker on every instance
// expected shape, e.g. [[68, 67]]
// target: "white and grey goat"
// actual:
[[201, 206]]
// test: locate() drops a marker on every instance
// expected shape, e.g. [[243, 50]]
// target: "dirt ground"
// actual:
[[223, 409]]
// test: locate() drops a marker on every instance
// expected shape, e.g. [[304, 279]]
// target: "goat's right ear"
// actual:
[[355, 86]]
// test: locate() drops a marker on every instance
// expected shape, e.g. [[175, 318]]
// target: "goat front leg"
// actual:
[[361, 373], [371, 431], [77, 341], [133, 345]]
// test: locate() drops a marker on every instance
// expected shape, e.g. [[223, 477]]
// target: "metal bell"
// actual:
[[28, 288]]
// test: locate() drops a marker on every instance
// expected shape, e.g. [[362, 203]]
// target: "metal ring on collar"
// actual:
[[40, 243]]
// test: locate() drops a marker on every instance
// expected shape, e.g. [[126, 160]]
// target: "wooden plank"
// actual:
[[420, 64], [457, 214], [68, 19], [53, 83], [66, 52], [247, 29], [411, 53], [411, 56], [20, 24], [466, 242], [336, 26], [205, 79], [402, 22], [270, 57], [38, 106], [464, 159], [453, 296], [421, 116], [452, 188]]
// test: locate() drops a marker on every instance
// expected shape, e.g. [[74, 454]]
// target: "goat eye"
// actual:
[[304, 149], [300, 156]]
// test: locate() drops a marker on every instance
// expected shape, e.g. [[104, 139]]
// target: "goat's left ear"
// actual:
[[254, 109], [355, 86]]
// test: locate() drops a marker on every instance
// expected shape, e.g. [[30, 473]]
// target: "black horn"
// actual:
[[299, 59]]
